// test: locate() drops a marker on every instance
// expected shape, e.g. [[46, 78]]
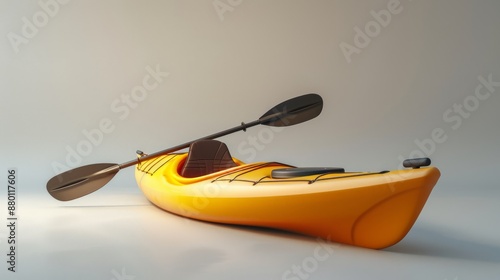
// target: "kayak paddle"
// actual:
[[86, 179]]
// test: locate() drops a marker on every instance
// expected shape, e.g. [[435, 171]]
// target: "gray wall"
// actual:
[[396, 83]]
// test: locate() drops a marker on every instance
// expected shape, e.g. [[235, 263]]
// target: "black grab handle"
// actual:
[[416, 162]]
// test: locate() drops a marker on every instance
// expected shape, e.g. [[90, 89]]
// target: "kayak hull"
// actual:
[[372, 210]]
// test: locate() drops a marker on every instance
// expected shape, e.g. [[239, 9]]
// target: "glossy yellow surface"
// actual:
[[373, 210]]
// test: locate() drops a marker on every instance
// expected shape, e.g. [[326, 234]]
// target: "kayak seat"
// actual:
[[205, 157]]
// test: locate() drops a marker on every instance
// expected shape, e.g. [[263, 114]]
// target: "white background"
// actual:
[[68, 72]]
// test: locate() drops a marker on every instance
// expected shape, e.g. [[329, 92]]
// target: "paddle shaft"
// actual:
[[243, 127]]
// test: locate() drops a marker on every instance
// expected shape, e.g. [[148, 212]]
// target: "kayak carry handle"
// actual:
[[416, 163]]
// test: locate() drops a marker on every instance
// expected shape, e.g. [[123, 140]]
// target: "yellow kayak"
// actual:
[[366, 209]]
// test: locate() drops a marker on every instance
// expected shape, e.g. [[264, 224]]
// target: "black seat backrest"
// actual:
[[205, 157]]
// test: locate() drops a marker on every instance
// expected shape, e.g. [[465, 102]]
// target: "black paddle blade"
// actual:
[[81, 181], [294, 111]]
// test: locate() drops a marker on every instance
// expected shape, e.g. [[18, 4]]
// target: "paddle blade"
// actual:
[[294, 111], [81, 181]]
